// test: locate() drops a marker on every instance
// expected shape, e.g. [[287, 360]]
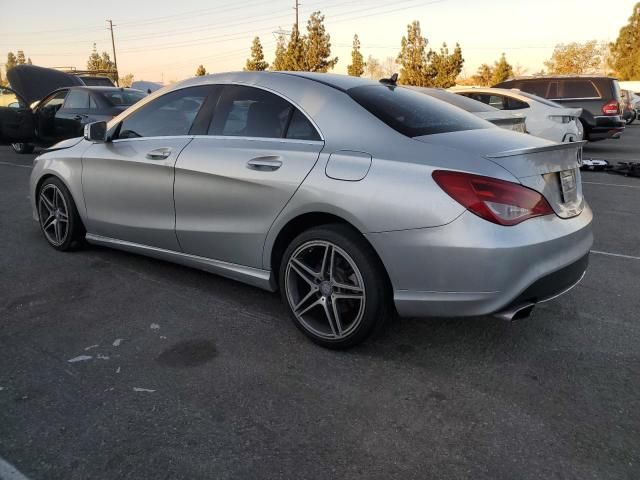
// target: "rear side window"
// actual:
[[412, 113], [123, 97], [459, 101], [169, 115], [536, 87], [78, 99], [577, 88], [252, 112]]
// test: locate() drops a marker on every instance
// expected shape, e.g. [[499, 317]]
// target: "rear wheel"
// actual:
[[59, 220], [22, 147], [334, 286]]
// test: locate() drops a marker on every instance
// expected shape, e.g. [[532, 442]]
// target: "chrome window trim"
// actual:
[[161, 137], [255, 139]]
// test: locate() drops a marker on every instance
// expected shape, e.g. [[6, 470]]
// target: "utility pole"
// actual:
[[296, 8], [113, 45]]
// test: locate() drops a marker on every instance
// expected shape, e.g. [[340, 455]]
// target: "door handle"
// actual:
[[159, 153], [267, 163]]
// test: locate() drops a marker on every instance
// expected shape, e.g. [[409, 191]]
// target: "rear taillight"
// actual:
[[504, 203], [611, 108]]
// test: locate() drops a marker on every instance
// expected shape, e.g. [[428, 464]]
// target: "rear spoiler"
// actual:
[[547, 148]]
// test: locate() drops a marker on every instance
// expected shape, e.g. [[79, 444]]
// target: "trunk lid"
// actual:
[[552, 169]]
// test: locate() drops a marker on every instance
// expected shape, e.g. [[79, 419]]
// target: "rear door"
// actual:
[[233, 181], [128, 182], [16, 118]]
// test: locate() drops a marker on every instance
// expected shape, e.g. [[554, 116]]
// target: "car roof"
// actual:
[[554, 77]]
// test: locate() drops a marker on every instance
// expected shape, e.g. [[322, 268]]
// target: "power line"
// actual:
[[113, 45]]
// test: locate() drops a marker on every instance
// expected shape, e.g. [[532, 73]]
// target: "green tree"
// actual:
[[502, 70], [444, 67], [625, 51], [11, 61], [201, 71], [256, 61], [295, 57], [575, 58], [102, 63], [20, 58], [356, 69], [317, 45], [280, 60], [413, 57], [1, 79], [483, 76]]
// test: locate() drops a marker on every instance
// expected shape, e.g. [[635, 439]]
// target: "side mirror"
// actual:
[[96, 132]]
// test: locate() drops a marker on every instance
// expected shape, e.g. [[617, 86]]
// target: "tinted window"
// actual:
[[123, 97], [514, 104], [92, 103], [546, 102], [300, 128], [56, 101], [170, 114], [77, 99], [537, 87], [250, 112], [577, 88], [459, 101], [412, 113]]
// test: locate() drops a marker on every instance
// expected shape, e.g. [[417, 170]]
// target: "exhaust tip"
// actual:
[[519, 312]]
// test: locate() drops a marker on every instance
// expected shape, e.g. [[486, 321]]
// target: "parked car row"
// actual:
[[44, 106]]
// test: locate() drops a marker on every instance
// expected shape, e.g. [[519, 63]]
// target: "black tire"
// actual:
[[23, 148], [631, 119], [377, 292], [74, 233]]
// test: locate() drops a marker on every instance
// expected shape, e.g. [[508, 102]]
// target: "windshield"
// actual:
[[412, 113], [123, 97], [548, 103], [459, 101]]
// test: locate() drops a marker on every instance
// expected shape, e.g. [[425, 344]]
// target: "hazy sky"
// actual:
[[167, 40]]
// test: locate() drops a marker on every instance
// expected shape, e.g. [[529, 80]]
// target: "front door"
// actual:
[[232, 183], [128, 182], [47, 128], [16, 118]]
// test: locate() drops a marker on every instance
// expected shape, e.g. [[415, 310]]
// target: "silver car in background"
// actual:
[[351, 197]]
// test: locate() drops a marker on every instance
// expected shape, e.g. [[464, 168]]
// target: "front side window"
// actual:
[[56, 101], [412, 113], [169, 115], [251, 112], [77, 99]]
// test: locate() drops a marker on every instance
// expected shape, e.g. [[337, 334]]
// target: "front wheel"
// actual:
[[334, 286], [22, 148], [59, 220]]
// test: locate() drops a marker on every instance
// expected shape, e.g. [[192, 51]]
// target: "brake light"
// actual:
[[611, 108], [498, 201]]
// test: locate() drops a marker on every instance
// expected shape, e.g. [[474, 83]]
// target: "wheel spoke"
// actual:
[[327, 312], [327, 262], [314, 304], [336, 317], [306, 297], [47, 203], [344, 286], [58, 231], [51, 220], [346, 296], [303, 271], [63, 217]]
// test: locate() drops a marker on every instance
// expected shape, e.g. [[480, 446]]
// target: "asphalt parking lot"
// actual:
[[193, 376]]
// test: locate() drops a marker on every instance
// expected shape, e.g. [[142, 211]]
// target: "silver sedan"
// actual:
[[355, 199]]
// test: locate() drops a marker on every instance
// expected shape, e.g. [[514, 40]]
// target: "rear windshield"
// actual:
[[123, 97], [412, 113], [548, 103], [563, 88], [459, 101]]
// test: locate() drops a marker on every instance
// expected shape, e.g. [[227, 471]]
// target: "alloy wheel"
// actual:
[[54, 215], [325, 289]]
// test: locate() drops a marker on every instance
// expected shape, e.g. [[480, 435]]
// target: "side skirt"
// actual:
[[252, 276]]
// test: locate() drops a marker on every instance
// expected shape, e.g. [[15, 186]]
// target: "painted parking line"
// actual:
[[9, 472], [612, 184], [15, 165], [619, 255]]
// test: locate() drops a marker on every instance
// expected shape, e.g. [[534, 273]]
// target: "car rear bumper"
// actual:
[[472, 267], [604, 127]]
